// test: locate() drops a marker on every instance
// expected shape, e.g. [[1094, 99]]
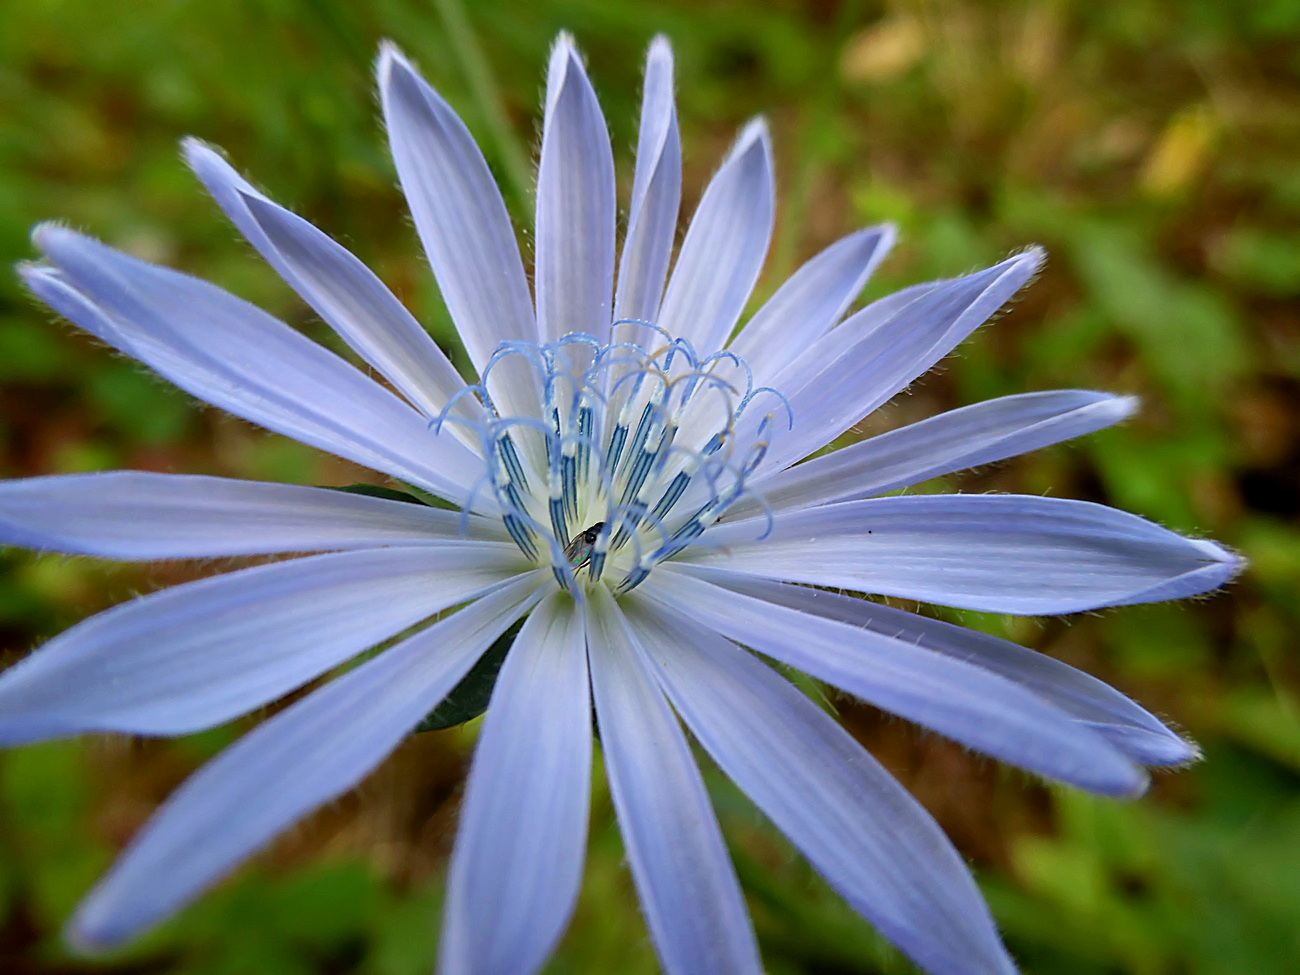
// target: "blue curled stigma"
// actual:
[[620, 469]]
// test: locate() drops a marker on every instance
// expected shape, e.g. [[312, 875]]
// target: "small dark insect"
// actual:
[[578, 551]]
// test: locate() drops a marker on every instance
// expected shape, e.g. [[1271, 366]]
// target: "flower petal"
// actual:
[[135, 515], [575, 205], [960, 700], [314, 750], [517, 862], [994, 553], [871, 841], [811, 301], [199, 654], [688, 888], [1124, 723], [877, 352], [342, 290], [959, 439], [458, 212], [235, 356], [656, 195], [724, 246]]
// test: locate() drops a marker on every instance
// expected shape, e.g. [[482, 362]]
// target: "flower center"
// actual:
[[624, 454]]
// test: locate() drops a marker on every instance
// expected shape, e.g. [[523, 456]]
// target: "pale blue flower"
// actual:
[[628, 491]]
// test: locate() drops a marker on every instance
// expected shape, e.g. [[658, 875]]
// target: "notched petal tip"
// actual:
[[563, 53], [753, 147], [389, 55], [565, 65], [1017, 271], [47, 285], [755, 131], [70, 251], [196, 152], [1125, 406], [90, 937], [1194, 753], [215, 171], [1218, 553], [875, 242], [58, 242], [1020, 268], [660, 50], [392, 66], [33, 273], [259, 207], [211, 164], [887, 232], [564, 43], [1229, 563], [1174, 753], [398, 81], [1034, 255], [1152, 744], [49, 232]]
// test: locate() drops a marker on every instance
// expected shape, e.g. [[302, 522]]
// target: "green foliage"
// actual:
[[1153, 154]]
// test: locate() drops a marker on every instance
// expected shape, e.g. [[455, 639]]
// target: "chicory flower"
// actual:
[[633, 488]]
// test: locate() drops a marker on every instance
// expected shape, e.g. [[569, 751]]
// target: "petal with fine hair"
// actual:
[[724, 247], [314, 750], [199, 654], [342, 290], [811, 301], [687, 885], [960, 700], [959, 439], [136, 515], [877, 352], [872, 842], [517, 862], [235, 356], [996, 553], [575, 205], [642, 476], [458, 212], [656, 195], [1121, 721]]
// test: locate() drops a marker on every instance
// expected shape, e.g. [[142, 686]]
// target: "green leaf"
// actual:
[[470, 697], [410, 496], [377, 491]]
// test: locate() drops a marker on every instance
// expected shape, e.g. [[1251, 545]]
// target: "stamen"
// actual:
[[521, 535], [640, 469], [510, 456], [599, 553], [623, 479], [617, 439], [569, 478], [586, 424], [672, 495], [642, 431], [559, 520]]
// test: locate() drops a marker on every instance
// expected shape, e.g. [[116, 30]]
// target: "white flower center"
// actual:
[[631, 454]]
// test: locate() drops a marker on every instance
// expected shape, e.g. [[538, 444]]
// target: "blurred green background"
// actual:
[[1153, 148]]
